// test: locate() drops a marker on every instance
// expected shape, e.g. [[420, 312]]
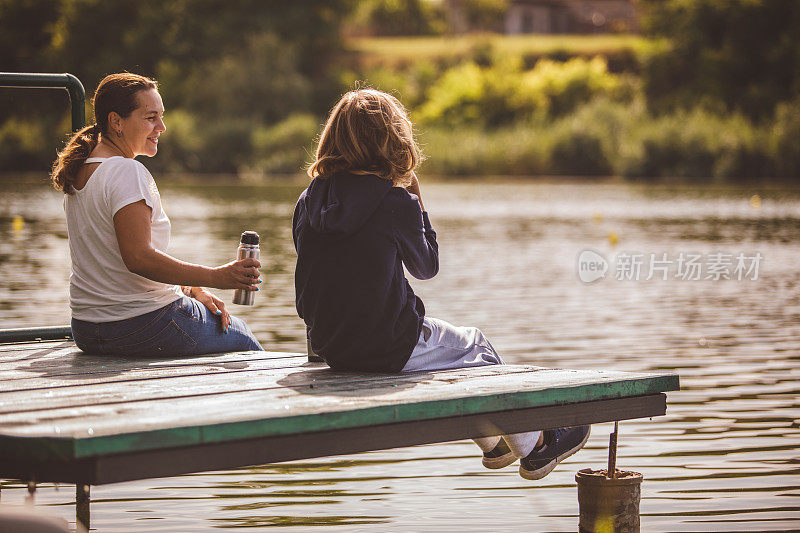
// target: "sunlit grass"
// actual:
[[429, 48]]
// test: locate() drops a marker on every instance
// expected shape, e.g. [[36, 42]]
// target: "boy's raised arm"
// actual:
[[416, 237]]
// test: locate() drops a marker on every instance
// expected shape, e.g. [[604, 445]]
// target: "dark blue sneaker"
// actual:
[[558, 444], [500, 457]]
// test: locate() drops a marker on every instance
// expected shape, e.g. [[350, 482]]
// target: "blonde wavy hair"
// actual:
[[368, 132]]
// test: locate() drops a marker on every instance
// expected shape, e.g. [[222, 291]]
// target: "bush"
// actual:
[[665, 148], [21, 145], [784, 135], [579, 153], [189, 144], [410, 85], [398, 17], [695, 144], [734, 55], [261, 82], [181, 145], [484, 15], [517, 150], [566, 85], [468, 94], [494, 96], [606, 137], [285, 147], [742, 150]]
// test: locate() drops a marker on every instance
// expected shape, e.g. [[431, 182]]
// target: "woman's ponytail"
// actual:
[[70, 159]]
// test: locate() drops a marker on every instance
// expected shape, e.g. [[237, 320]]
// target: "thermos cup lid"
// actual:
[[249, 237]]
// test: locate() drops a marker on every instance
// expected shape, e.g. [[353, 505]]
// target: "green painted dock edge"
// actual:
[[71, 448], [28, 335]]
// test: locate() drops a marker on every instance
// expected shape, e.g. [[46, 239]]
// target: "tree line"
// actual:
[[247, 84]]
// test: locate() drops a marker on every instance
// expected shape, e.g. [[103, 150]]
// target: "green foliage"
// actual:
[[182, 144], [223, 148], [398, 17], [286, 147], [503, 93], [261, 83], [25, 29], [607, 137], [224, 71], [575, 151], [469, 94], [726, 55], [567, 85], [784, 140], [670, 148], [19, 143], [410, 86], [246, 88], [484, 15], [585, 142], [471, 151], [695, 144]]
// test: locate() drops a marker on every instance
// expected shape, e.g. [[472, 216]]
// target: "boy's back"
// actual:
[[354, 228], [352, 234]]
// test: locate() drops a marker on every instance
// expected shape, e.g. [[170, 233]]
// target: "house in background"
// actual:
[[571, 16]]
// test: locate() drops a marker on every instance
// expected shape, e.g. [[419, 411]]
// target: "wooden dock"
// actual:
[[70, 417]]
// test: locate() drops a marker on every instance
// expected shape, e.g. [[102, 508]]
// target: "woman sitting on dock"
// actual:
[[128, 297], [354, 228]]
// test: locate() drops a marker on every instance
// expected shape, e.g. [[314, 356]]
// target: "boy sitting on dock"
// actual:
[[358, 223]]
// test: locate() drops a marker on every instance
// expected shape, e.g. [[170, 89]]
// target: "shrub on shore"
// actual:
[[285, 147], [612, 138], [504, 93], [609, 135], [472, 151], [784, 145]]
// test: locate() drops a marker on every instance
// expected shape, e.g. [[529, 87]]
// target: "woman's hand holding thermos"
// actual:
[[242, 274], [239, 274], [248, 249]]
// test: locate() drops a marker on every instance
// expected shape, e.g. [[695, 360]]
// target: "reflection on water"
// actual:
[[725, 458]]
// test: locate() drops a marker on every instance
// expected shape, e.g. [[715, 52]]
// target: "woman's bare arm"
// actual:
[[132, 226]]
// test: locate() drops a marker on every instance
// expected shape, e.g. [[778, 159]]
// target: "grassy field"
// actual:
[[389, 50]]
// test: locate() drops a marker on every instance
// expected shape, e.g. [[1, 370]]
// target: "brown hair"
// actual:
[[368, 132], [116, 92]]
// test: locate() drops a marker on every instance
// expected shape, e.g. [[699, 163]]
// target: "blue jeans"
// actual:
[[184, 327]]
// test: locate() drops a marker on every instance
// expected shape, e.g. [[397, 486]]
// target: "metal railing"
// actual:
[[77, 98], [50, 333], [77, 95]]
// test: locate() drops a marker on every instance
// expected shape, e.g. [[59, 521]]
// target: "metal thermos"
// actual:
[[248, 247]]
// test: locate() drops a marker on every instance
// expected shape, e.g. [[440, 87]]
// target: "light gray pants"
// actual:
[[443, 346]]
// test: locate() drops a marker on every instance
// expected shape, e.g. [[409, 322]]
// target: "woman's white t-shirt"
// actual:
[[101, 288]]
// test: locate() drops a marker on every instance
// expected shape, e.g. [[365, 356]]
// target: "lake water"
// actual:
[[724, 458]]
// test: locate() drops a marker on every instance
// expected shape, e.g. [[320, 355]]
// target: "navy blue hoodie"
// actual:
[[353, 233]]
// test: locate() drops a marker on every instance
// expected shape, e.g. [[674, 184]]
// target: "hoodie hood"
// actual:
[[343, 203]]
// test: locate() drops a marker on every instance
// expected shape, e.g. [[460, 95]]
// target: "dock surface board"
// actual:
[[69, 416]]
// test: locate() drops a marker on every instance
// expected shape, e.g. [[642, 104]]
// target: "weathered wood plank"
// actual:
[[32, 345], [284, 392], [69, 416], [66, 360], [149, 424], [102, 374], [217, 456], [269, 379], [10, 353]]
